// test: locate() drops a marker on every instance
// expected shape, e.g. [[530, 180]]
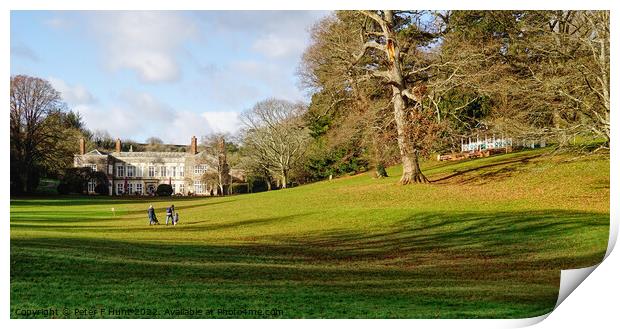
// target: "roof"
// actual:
[[96, 152], [121, 155], [150, 154]]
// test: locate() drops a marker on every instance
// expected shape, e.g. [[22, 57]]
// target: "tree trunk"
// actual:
[[407, 157], [284, 178], [395, 78], [411, 168], [418, 176]]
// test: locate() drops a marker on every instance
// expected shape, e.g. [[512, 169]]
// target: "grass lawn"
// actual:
[[487, 239]]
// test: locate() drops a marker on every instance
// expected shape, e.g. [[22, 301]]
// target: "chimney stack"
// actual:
[[118, 145], [82, 146], [222, 148], [193, 146]]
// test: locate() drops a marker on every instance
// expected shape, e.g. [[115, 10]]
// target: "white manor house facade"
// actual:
[[139, 173]]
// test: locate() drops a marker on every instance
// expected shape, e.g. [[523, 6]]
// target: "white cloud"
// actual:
[[272, 78], [140, 115], [72, 94], [117, 121], [275, 40], [276, 34], [147, 42], [279, 46], [236, 86], [145, 107], [223, 122], [182, 127]]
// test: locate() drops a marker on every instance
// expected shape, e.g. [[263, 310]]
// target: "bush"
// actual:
[[101, 189], [258, 185], [63, 188], [76, 179], [164, 190], [381, 172], [240, 188]]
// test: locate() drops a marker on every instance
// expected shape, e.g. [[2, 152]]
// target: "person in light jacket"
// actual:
[[152, 216]]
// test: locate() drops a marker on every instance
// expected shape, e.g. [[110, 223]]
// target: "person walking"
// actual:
[[169, 212], [176, 218], [152, 216]]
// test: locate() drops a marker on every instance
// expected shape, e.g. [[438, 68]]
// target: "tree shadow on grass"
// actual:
[[192, 226], [508, 167], [76, 213], [180, 208], [81, 200], [448, 265]]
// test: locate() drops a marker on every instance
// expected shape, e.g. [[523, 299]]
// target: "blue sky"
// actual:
[[171, 74]]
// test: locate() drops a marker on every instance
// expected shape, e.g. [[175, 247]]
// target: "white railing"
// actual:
[[486, 143]]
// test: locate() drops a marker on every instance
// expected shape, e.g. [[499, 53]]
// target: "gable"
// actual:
[[94, 152]]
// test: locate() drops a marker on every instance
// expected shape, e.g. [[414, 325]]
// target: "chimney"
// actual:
[[193, 147], [118, 145], [222, 148], [82, 146]]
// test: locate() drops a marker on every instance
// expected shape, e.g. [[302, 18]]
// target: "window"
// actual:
[[131, 170], [198, 188], [173, 171], [200, 169], [151, 171], [91, 166], [139, 171], [91, 186], [130, 188], [162, 171], [181, 188], [119, 188], [139, 188], [181, 171], [110, 169], [120, 171]]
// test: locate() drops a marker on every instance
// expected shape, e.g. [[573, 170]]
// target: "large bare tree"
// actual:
[[36, 132], [215, 146], [349, 113], [391, 58], [275, 136]]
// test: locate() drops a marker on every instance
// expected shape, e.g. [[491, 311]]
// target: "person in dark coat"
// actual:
[[169, 214]]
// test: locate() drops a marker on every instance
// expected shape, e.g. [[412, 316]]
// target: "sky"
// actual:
[[170, 74]]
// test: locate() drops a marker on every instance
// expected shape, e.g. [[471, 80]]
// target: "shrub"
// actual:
[[258, 185], [76, 178], [101, 189], [164, 190], [240, 188], [381, 172], [63, 188]]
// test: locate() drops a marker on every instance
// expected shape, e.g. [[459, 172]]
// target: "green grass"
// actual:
[[487, 239]]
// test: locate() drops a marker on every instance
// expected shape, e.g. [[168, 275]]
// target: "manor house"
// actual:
[[139, 173]]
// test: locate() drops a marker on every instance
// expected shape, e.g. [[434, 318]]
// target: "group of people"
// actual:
[[171, 216]]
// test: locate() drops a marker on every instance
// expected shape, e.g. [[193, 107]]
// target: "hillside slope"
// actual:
[[486, 239]]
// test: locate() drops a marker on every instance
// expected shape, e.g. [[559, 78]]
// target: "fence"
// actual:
[[478, 144]]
